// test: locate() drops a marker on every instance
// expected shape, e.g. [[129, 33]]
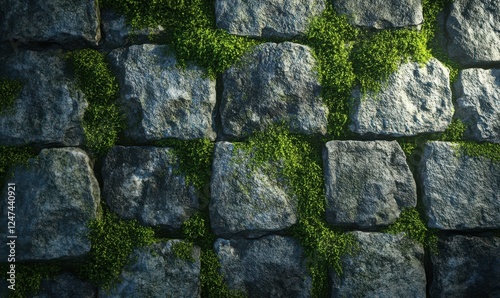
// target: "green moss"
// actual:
[[102, 120], [195, 159], [300, 159], [113, 240], [191, 30], [29, 277], [183, 250], [11, 156], [488, 150], [411, 223], [9, 92]]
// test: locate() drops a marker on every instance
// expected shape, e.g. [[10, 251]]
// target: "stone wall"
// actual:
[[367, 183]]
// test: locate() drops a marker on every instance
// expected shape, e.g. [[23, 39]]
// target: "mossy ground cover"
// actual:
[[9, 91]]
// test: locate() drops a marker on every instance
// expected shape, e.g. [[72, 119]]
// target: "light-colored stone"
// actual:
[[143, 183], [478, 103], [268, 19], [367, 184], [69, 23], [415, 100], [272, 266], [474, 35], [459, 192], [382, 14], [50, 108], [384, 265], [246, 201], [160, 99], [56, 196], [274, 83]]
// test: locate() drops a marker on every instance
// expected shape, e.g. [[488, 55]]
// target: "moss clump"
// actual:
[[113, 240], [11, 156], [183, 250], [103, 120], [191, 30], [488, 150], [300, 161], [195, 159], [349, 56], [9, 91], [29, 277], [411, 223]]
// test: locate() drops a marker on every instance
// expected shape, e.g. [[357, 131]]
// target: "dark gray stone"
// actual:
[[144, 183], [478, 103], [56, 196], [247, 201], [472, 28], [160, 99], [415, 100], [156, 273], [274, 83], [466, 266], [268, 19], [382, 14], [368, 184], [66, 285], [384, 265], [459, 192], [117, 33], [72, 23], [272, 266], [50, 108]]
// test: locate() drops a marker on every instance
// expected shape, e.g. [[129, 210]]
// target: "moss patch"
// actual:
[[300, 157], [11, 156], [183, 250], [488, 150], [103, 120], [113, 240], [9, 92], [191, 30], [29, 277]]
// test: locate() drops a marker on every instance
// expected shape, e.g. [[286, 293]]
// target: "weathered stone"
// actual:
[[466, 266], [68, 23], [368, 184], [246, 201], [472, 28], [459, 192], [384, 265], [157, 272], [117, 33], [268, 19], [56, 196], [478, 103], [272, 266], [415, 100], [49, 110], [66, 285], [274, 83], [160, 99], [382, 14], [143, 183]]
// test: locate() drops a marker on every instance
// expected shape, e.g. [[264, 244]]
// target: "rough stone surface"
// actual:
[[68, 23], [272, 266], [247, 202], [472, 26], [384, 266], [143, 183], [367, 183], [116, 32], [66, 285], [459, 192], [415, 100], [274, 83], [268, 19], [156, 272], [382, 14], [50, 108], [160, 99], [478, 103], [466, 266], [56, 195]]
